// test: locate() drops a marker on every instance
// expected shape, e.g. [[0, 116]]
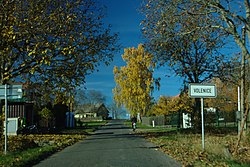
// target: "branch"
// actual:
[[224, 11], [206, 27]]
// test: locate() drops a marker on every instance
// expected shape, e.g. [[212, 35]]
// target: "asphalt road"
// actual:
[[113, 145]]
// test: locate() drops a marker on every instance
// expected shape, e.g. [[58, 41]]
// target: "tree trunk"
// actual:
[[248, 103], [196, 115], [241, 130]]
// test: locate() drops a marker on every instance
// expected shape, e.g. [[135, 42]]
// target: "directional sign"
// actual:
[[13, 91], [9, 92], [202, 90]]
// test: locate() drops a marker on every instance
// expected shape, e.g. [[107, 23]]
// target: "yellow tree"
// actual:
[[164, 106], [134, 81], [226, 96], [168, 105], [53, 43]]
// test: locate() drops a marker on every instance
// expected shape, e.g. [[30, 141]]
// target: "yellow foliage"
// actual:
[[226, 99], [134, 81], [32, 70], [167, 105]]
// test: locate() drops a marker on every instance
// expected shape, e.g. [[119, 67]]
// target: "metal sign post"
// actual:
[[201, 91], [6, 121], [202, 125], [9, 92]]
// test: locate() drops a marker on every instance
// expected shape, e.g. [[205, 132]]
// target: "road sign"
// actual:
[[202, 91], [13, 91], [9, 92]]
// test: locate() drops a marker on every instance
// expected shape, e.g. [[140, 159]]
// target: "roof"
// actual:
[[92, 108]]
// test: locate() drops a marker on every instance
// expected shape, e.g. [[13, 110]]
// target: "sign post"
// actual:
[[9, 92], [202, 125], [6, 121], [201, 91]]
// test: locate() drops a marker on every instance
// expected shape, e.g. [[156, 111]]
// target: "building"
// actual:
[[92, 112], [21, 108]]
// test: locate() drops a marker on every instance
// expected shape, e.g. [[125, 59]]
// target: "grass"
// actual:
[[95, 123], [182, 145], [185, 146], [27, 157], [91, 124], [142, 127], [27, 150]]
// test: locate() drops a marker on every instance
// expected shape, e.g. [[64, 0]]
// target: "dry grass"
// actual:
[[187, 148], [26, 150]]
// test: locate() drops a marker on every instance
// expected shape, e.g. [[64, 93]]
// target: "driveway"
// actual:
[[113, 145]]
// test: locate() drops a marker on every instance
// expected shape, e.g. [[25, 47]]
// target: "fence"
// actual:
[[158, 120], [226, 119]]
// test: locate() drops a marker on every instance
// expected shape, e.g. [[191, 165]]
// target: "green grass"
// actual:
[[95, 123], [140, 128], [27, 157], [36, 148], [21, 155]]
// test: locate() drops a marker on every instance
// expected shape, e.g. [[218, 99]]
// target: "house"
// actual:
[[92, 112], [22, 108]]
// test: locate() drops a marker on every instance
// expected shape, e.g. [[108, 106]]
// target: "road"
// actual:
[[113, 145]]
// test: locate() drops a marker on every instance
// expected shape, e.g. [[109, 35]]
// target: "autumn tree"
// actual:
[[168, 105], [134, 81], [195, 56], [58, 42], [227, 96], [46, 114], [52, 44], [164, 106], [231, 19]]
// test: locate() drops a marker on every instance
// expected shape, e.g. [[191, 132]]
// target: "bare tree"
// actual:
[[117, 112], [195, 55]]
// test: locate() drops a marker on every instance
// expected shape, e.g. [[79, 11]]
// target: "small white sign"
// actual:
[[202, 90]]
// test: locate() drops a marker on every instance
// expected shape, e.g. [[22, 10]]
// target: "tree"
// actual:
[[231, 19], [80, 97], [134, 81], [225, 17], [95, 97], [47, 115], [195, 56], [88, 97], [168, 105], [226, 99], [52, 44], [57, 41], [164, 106], [117, 112]]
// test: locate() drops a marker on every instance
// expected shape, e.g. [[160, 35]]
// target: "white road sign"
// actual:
[[13, 91], [202, 90]]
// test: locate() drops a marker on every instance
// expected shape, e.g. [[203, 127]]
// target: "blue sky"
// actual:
[[125, 19]]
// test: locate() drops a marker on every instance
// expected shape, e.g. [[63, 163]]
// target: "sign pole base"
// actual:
[[202, 125]]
